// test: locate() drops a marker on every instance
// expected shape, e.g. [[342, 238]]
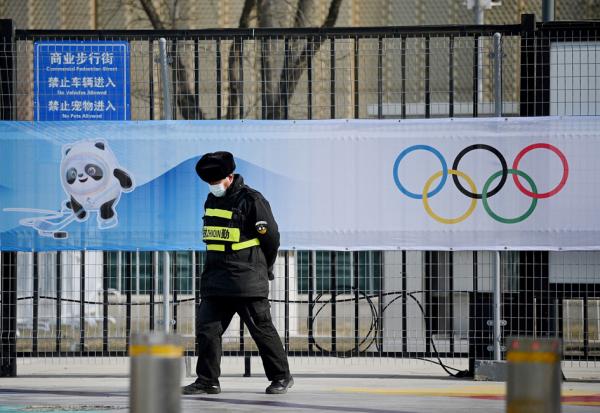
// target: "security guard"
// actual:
[[241, 239]]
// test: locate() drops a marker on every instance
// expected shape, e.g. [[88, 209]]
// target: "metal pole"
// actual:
[[497, 283], [498, 74], [533, 375], [497, 310], [137, 272], [155, 373], [166, 275], [8, 324], [548, 10], [479, 20], [164, 70]]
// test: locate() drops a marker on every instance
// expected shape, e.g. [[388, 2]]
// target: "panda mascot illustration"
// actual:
[[93, 181]]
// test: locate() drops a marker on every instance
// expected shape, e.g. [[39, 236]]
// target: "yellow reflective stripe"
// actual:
[[221, 234], [215, 247], [157, 350], [526, 357], [221, 213], [246, 244]]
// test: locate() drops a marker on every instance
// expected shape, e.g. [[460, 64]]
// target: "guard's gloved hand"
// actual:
[[270, 273]]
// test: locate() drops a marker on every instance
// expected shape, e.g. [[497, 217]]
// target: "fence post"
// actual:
[[8, 353], [548, 10], [167, 115], [164, 70], [497, 335], [497, 310], [527, 59], [7, 30], [497, 74], [165, 293]]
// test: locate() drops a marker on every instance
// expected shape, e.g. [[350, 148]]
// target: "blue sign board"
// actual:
[[81, 80]]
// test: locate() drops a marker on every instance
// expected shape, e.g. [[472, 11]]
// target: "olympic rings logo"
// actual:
[[487, 191]]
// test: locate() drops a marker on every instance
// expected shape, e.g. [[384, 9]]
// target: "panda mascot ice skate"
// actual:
[[93, 179]]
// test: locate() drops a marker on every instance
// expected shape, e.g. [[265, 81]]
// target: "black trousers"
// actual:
[[213, 318]]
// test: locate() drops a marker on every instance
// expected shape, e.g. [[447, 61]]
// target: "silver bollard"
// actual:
[[534, 376], [155, 385]]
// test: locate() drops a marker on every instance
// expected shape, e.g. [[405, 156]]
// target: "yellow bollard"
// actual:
[[155, 382], [534, 376]]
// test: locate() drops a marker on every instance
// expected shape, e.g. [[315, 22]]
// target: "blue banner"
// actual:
[[474, 184], [81, 80]]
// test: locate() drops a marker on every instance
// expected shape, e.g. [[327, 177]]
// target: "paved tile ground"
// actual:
[[364, 385]]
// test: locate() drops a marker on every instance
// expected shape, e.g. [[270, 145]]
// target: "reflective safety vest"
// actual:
[[221, 232]]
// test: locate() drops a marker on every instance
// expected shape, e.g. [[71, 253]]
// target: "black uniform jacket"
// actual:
[[238, 272]]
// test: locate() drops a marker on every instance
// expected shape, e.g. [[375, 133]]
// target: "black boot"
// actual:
[[280, 386], [201, 388]]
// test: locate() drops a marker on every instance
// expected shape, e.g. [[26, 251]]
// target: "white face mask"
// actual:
[[217, 190]]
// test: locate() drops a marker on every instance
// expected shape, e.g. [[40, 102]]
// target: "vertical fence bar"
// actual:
[[497, 74], [403, 75], [557, 317], [586, 327], [430, 258], [542, 73], [8, 347], [354, 268], [7, 70], [427, 80], [151, 78], [404, 305], [241, 79], [242, 347], [219, 86], [356, 75], [475, 75], [128, 288], [333, 291], [527, 69], [380, 78], [81, 303], [164, 69], [174, 68], [311, 289], [451, 76], [287, 301], [36, 303], [153, 278], [381, 306], [309, 76], [197, 274], [165, 292], [197, 75], [263, 78], [105, 275], [473, 336], [137, 272], [176, 286], [451, 298], [247, 356], [332, 78], [497, 54], [58, 302], [286, 68]]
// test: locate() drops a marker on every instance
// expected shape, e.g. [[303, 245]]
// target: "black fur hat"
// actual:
[[215, 166]]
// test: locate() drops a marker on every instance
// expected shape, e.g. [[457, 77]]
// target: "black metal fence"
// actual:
[[397, 304]]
